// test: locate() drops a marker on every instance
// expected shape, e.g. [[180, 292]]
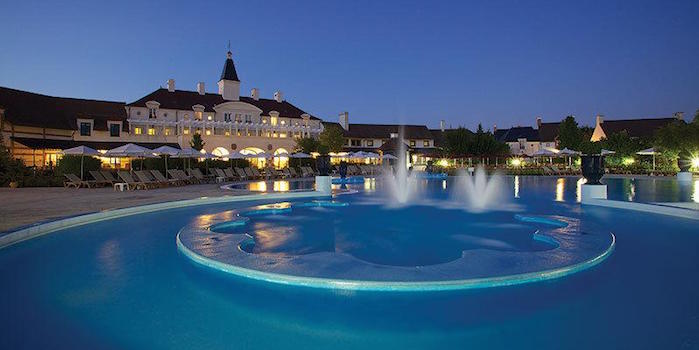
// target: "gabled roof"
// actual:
[[548, 132], [636, 127], [184, 100], [515, 133], [31, 109], [229, 72], [384, 131]]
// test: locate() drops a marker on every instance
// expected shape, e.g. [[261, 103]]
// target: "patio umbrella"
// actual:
[[166, 151], [206, 157], [132, 151], [300, 155], [569, 153], [234, 155], [649, 152], [81, 151], [389, 156], [545, 152], [606, 152], [188, 153]]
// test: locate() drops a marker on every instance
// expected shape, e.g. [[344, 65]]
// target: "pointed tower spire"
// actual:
[[229, 72], [229, 84]]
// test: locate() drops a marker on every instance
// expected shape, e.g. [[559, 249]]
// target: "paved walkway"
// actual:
[[23, 206]]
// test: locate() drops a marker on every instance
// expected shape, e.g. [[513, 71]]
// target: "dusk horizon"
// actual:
[[382, 63]]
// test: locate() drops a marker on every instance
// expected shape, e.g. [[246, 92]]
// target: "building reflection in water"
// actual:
[[695, 193], [370, 184], [560, 188], [444, 184], [281, 186], [277, 186], [516, 186], [578, 189]]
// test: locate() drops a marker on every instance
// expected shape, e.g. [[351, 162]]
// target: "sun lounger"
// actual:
[[293, 172], [147, 178], [74, 181], [109, 176], [99, 179], [160, 177], [249, 173], [241, 173], [197, 174], [187, 178], [256, 173], [130, 182], [229, 173]]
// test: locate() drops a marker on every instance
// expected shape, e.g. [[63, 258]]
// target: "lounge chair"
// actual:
[[130, 182], [286, 173], [293, 172], [229, 173], [241, 173], [256, 173], [99, 179], [109, 176], [187, 178], [147, 178], [74, 181], [160, 177], [249, 173], [196, 173]]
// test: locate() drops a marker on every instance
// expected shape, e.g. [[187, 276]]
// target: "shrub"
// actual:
[[70, 164]]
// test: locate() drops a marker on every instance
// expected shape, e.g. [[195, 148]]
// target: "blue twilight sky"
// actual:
[[495, 62]]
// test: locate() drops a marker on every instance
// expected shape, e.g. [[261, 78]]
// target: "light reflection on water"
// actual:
[[560, 188], [695, 195]]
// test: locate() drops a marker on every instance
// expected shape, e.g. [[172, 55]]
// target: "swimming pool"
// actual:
[[123, 283]]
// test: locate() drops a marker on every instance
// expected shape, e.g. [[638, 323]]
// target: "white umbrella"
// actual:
[[545, 152], [300, 155], [235, 155], [256, 155], [606, 152], [81, 151], [131, 150], [167, 151], [389, 156], [569, 153], [649, 152]]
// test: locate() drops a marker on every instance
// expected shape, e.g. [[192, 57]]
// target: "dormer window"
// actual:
[[198, 115], [248, 118], [152, 113], [85, 128], [227, 117], [114, 129], [412, 143]]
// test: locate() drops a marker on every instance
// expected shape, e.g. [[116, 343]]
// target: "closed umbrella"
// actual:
[[81, 151]]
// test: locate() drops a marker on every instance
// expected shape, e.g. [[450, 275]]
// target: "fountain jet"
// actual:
[[476, 193]]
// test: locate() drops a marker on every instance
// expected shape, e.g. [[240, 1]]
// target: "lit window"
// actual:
[[185, 131], [208, 131], [412, 143], [151, 131], [85, 129], [137, 131], [227, 133], [273, 121], [197, 115], [282, 135], [264, 121], [211, 117], [426, 143], [282, 122], [114, 130], [168, 131], [370, 143]]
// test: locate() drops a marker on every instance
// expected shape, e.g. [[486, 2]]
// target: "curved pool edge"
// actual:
[[396, 286], [30, 232]]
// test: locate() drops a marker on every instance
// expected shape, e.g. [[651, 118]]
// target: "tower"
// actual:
[[229, 85]]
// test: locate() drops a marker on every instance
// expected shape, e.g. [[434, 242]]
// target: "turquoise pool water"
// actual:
[[123, 284]]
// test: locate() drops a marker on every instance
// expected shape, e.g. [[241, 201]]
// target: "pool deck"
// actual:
[[24, 206]]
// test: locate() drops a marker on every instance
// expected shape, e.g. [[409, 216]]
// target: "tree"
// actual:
[[307, 145], [569, 135], [457, 142], [197, 143], [332, 139], [679, 138]]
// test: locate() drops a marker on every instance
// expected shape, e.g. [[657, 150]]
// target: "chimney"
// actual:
[[200, 88], [599, 119], [538, 122], [678, 115], [495, 128], [278, 96], [255, 94], [442, 125], [344, 120], [171, 85]]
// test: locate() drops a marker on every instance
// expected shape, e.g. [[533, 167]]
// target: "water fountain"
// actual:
[[476, 193], [401, 184]]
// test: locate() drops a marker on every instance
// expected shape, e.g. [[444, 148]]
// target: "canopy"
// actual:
[[647, 152], [545, 152], [81, 151], [130, 150], [167, 151], [389, 156], [300, 155], [568, 152]]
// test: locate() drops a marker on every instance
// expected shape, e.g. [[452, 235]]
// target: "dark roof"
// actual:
[[384, 131], [35, 143], [229, 72], [515, 133], [393, 145], [548, 132], [184, 100], [636, 127], [31, 109]]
